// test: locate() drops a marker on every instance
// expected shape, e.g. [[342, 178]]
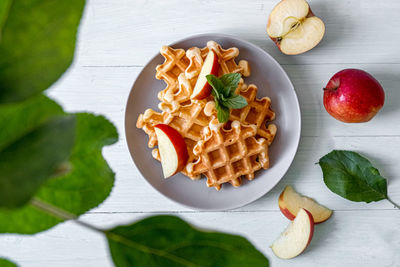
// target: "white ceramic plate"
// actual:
[[271, 81]]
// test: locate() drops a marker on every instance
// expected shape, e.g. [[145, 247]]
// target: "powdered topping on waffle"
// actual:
[[196, 62], [175, 63], [226, 155], [172, 100], [189, 120], [189, 63], [221, 154], [226, 59], [257, 112]]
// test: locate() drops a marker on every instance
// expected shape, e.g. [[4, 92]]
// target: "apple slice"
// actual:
[[202, 89], [173, 150], [297, 236], [290, 202], [294, 28]]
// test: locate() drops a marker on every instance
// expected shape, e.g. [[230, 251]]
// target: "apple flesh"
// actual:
[[294, 28], [353, 96], [173, 150], [297, 236], [290, 202], [202, 88]]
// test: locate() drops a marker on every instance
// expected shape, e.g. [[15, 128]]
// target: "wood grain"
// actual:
[[79, 90], [348, 238], [118, 37], [130, 32]]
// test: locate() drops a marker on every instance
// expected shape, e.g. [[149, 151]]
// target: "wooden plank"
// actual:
[[105, 90], [131, 32], [362, 238]]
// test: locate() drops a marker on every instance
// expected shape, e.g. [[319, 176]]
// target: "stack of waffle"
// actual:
[[222, 152]]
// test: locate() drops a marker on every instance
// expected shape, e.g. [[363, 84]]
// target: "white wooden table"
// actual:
[[118, 37]]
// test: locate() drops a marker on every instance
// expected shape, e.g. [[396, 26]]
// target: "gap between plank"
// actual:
[[226, 211], [300, 64]]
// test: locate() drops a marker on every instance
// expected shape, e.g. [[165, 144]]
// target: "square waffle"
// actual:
[[226, 155], [196, 120], [178, 64], [189, 120], [258, 112]]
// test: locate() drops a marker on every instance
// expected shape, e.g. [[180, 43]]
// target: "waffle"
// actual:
[[257, 112], [181, 69], [189, 120], [227, 155], [220, 154]]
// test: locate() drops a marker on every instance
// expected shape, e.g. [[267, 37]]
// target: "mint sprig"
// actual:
[[223, 90]]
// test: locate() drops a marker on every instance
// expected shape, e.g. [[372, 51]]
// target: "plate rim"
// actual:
[[297, 141]]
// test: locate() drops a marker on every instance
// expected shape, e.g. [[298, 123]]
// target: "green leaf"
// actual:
[[18, 119], [224, 97], [223, 113], [37, 45], [87, 184], [235, 102], [353, 177], [4, 8], [216, 84], [230, 82], [170, 241], [27, 163], [6, 263]]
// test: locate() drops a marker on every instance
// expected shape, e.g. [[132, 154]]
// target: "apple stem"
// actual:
[[394, 204], [332, 85]]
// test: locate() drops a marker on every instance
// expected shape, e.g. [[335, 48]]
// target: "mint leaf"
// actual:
[[215, 94], [223, 113], [216, 84], [235, 102], [224, 94], [353, 177], [230, 82], [169, 241], [88, 183], [35, 49]]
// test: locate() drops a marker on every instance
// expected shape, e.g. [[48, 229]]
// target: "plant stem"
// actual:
[[61, 214], [394, 204], [65, 215]]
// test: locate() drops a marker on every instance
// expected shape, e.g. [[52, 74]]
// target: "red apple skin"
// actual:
[[353, 96], [276, 40], [179, 144], [312, 227], [206, 91], [283, 208], [285, 211]]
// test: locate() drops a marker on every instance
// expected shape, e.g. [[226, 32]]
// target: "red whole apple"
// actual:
[[353, 95]]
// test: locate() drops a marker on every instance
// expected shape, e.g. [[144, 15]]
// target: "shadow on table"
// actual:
[[322, 231], [389, 79]]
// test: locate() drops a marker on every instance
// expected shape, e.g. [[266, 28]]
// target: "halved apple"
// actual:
[[173, 150], [297, 236], [202, 89], [290, 202], [294, 28]]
